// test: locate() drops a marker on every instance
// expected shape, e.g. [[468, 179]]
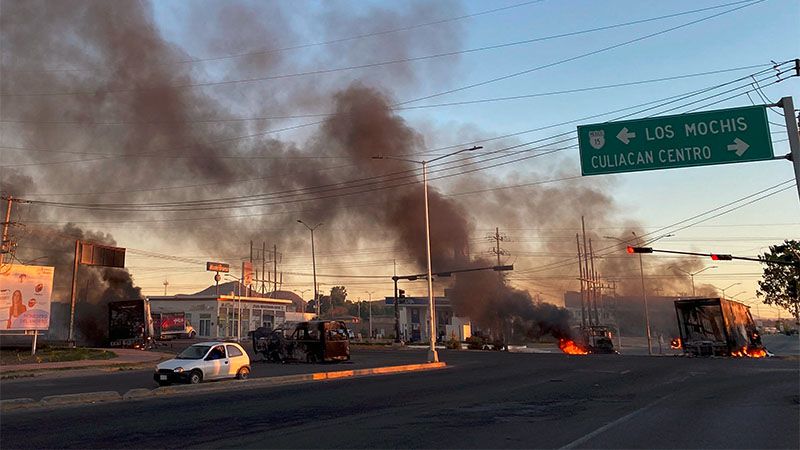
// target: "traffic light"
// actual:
[[402, 293], [632, 249], [720, 257]]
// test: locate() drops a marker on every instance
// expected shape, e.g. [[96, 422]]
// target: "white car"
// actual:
[[205, 361]]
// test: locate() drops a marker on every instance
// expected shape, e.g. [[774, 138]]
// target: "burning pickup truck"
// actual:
[[717, 327]]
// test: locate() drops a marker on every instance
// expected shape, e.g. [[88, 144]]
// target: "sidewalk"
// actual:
[[125, 357]]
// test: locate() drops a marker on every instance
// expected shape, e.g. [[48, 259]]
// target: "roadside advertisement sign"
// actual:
[[25, 294], [247, 273], [218, 267], [173, 322]]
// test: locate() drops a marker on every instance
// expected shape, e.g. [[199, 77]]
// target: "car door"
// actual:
[[216, 363], [237, 360]]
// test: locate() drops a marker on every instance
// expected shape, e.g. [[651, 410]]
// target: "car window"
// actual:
[[217, 352], [193, 352], [233, 351]]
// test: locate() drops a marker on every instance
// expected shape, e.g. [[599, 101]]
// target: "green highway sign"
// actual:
[[698, 139]]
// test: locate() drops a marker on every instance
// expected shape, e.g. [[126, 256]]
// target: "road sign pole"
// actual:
[[794, 139]]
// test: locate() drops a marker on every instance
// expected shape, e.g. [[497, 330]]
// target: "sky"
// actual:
[[755, 35]]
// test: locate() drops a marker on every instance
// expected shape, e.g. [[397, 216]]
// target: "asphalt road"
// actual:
[[482, 400], [122, 380]]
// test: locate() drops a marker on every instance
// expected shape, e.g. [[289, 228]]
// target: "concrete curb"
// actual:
[[164, 391], [17, 403], [137, 393], [89, 397]]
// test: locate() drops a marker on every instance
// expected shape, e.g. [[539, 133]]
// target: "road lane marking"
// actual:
[[610, 425]]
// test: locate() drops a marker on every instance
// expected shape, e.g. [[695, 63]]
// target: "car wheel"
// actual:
[[195, 377], [243, 374]]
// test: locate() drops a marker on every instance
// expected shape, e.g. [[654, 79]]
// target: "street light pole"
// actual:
[[370, 313], [313, 263], [723, 290], [433, 355], [692, 274], [644, 291]]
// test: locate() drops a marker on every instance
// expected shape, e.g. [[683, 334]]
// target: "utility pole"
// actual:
[[594, 285], [581, 278], [586, 269], [73, 292], [275, 265], [251, 265], [166, 283], [5, 244], [263, 267], [497, 238]]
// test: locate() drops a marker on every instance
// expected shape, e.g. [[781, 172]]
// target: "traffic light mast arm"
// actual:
[[450, 272], [714, 256]]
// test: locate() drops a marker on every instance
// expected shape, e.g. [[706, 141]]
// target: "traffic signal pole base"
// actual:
[[433, 356]]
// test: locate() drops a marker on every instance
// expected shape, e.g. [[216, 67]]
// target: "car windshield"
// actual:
[[194, 352]]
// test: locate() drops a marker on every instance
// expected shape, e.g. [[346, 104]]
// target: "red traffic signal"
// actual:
[[632, 249], [719, 257]]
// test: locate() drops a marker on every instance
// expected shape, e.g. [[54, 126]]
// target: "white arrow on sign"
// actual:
[[739, 146], [625, 136]]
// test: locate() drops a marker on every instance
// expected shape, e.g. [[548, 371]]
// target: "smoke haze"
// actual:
[[100, 83]]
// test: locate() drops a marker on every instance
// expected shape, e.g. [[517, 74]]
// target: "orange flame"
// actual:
[[748, 352], [676, 344], [569, 347]]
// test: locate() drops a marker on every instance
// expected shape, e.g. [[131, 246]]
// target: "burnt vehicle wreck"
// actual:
[[312, 341], [717, 327]]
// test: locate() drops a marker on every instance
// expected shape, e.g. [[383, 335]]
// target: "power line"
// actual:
[[329, 42], [226, 203], [402, 60], [753, 198], [206, 218], [402, 108], [574, 58]]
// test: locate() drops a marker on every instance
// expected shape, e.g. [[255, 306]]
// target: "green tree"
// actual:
[[780, 281], [338, 295]]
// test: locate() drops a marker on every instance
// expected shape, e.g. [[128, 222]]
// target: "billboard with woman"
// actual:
[[25, 293]]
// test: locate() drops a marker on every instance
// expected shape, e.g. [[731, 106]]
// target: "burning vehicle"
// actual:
[[313, 341], [130, 324], [717, 327], [594, 339]]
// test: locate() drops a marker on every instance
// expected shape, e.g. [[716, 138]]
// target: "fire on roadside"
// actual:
[[570, 347], [749, 352], [676, 344]]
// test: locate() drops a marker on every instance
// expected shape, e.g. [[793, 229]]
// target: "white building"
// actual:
[[217, 316], [414, 319]]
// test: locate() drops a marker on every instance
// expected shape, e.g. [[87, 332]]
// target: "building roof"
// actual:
[[227, 291]]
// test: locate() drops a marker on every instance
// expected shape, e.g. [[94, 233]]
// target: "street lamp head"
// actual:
[[377, 157]]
